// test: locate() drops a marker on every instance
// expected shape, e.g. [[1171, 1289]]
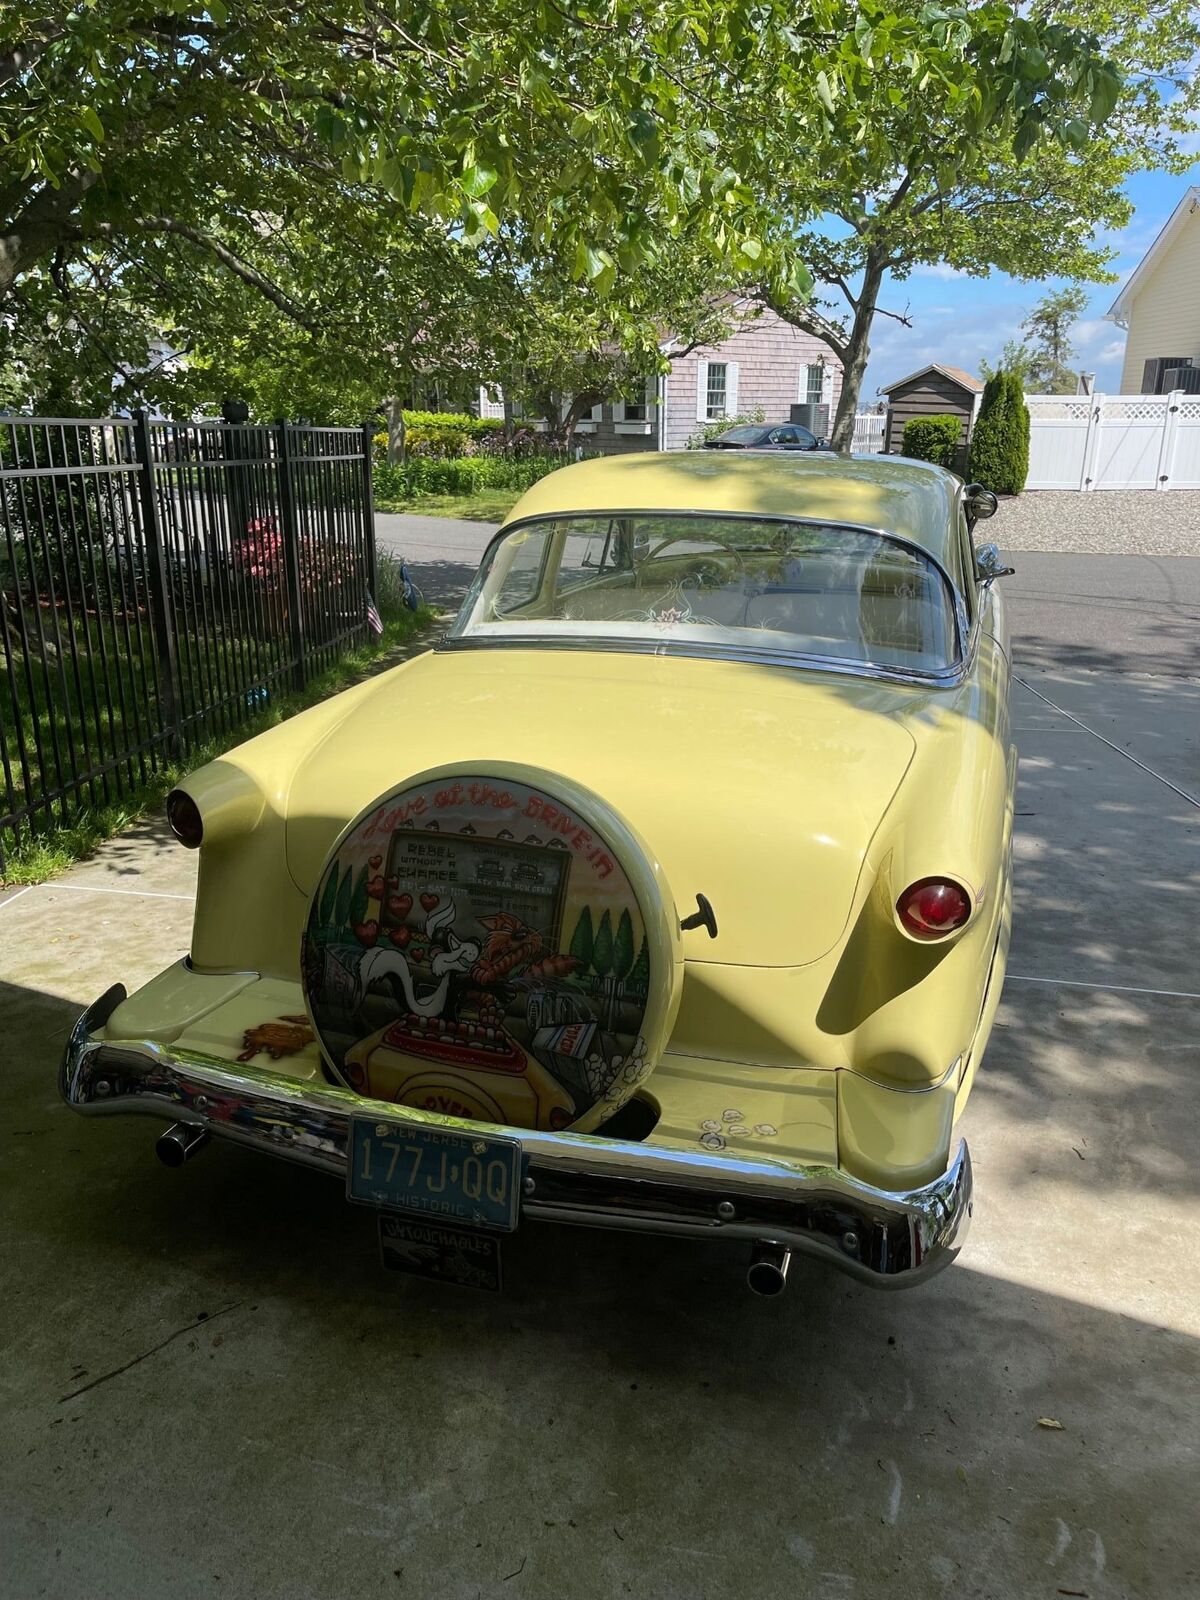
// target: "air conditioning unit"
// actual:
[[813, 417], [1185, 378], [1154, 373]]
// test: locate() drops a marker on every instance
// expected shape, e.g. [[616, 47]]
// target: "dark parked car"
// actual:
[[766, 436]]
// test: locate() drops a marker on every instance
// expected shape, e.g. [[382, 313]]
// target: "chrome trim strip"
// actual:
[[887, 1239], [949, 677]]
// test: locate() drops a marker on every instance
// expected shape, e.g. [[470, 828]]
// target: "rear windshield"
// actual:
[[747, 435], [711, 583]]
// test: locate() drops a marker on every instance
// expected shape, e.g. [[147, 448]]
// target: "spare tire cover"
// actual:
[[493, 943]]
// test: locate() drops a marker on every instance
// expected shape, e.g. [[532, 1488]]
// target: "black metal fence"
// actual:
[[160, 583]]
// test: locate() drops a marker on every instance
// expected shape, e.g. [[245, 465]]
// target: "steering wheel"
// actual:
[[687, 538]]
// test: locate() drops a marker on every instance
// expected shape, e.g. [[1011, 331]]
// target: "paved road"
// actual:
[[209, 1388], [442, 553]]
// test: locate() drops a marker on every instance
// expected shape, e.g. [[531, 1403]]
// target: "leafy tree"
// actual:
[[622, 956], [329, 899], [602, 948], [639, 974], [582, 939], [345, 891], [983, 136], [383, 181], [1048, 349], [999, 455]]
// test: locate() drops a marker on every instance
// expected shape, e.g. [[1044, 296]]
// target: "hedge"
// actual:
[[933, 439], [429, 475], [1000, 441]]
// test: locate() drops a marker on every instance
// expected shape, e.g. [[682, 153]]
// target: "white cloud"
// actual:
[[939, 269]]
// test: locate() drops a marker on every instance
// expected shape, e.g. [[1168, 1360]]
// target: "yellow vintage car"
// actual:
[[670, 891]]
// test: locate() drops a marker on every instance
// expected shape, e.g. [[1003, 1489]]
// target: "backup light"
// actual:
[[933, 908]]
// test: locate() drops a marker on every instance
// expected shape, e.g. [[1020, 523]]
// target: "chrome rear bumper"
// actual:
[[890, 1240]]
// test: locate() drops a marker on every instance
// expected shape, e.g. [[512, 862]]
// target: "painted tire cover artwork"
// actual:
[[475, 948]]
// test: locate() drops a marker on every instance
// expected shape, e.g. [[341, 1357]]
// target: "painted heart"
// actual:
[[375, 888], [375, 863], [398, 906], [428, 901], [399, 936], [367, 933]]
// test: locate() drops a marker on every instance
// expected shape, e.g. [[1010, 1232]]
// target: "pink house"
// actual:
[[765, 365]]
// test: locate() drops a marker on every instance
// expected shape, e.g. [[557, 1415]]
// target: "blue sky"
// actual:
[[959, 320]]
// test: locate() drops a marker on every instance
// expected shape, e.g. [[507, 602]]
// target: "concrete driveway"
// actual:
[[209, 1387]]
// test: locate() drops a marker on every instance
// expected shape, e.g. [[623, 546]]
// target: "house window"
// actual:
[[634, 415], [717, 391], [812, 383]]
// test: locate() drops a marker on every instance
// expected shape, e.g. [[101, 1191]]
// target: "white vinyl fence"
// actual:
[[870, 431], [1120, 441]]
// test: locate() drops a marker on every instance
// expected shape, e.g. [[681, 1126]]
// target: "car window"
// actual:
[[726, 584], [747, 434], [783, 436], [804, 437]]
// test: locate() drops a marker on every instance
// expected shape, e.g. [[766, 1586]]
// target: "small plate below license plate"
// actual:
[[431, 1250], [461, 1179]]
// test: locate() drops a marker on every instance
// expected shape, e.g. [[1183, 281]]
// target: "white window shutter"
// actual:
[[702, 391], [827, 385], [597, 413], [618, 411], [731, 389]]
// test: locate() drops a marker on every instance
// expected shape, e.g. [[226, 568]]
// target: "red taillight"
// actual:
[[183, 814], [933, 907]]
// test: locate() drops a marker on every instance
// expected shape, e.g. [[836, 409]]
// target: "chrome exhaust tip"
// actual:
[[179, 1143], [767, 1273]]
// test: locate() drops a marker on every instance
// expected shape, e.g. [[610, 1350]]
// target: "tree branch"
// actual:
[[241, 269]]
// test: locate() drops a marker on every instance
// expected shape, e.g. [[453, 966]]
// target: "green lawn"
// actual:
[[34, 859], [486, 505]]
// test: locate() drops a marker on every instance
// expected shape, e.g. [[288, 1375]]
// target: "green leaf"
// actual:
[[91, 122], [477, 180], [824, 92], [1105, 94]]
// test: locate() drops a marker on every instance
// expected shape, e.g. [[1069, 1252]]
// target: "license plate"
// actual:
[[461, 1256], [446, 1177]]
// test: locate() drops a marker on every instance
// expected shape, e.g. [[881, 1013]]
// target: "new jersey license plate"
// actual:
[[465, 1178]]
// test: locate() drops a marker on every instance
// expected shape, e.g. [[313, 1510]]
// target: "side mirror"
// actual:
[[989, 564], [979, 503]]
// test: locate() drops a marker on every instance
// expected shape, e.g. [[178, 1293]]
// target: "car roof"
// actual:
[[911, 498]]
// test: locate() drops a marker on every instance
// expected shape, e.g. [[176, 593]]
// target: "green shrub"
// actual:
[[999, 456], [933, 439], [424, 422], [710, 430], [420, 440], [431, 475], [473, 427]]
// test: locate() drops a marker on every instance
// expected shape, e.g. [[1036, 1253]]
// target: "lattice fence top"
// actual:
[[1140, 408], [1057, 408], [1189, 411]]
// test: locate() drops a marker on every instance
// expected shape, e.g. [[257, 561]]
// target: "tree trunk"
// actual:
[[858, 348], [395, 431]]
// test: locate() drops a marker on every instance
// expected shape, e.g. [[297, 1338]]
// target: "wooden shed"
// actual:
[[933, 391]]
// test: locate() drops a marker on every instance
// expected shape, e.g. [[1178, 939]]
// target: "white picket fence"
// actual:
[[1120, 441], [870, 431]]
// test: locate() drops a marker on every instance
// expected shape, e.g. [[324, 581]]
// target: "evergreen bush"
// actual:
[[999, 457]]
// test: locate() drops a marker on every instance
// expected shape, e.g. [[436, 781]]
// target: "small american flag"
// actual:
[[374, 620]]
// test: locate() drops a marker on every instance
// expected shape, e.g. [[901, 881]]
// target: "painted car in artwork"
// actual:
[[670, 890]]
